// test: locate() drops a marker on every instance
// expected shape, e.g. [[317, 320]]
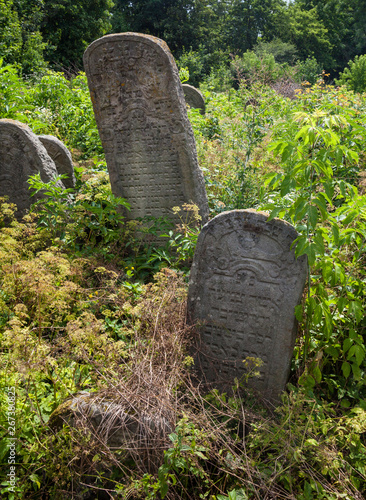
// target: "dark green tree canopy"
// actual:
[[69, 27]]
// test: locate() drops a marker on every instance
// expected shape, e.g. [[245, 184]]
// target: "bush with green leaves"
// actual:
[[308, 71], [51, 104], [354, 76], [314, 193]]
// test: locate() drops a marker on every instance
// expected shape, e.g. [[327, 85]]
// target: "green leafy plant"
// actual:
[[329, 214], [354, 76]]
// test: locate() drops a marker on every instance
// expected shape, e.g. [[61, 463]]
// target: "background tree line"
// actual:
[[203, 33]]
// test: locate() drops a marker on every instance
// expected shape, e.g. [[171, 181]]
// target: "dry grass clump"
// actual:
[[150, 432]]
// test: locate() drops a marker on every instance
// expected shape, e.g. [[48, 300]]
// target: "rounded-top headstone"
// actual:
[[244, 285], [59, 153], [194, 98], [143, 124], [21, 155]]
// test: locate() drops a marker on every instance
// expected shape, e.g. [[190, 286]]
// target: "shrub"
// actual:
[[354, 77], [308, 70]]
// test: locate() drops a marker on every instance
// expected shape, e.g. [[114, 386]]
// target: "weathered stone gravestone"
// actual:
[[21, 155], [61, 157], [142, 121], [245, 283], [194, 98]]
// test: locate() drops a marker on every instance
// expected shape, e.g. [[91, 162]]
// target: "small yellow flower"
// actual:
[[91, 296]]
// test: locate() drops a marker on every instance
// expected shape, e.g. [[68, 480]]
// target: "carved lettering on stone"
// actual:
[[21, 155], [142, 120], [194, 98], [245, 283], [59, 153]]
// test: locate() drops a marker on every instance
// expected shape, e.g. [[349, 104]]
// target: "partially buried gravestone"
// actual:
[[62, 158], [142, 121], [245, 283], [21, 155], [194, 98]]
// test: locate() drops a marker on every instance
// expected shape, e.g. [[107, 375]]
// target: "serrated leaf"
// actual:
[[320, 202], [312, 215], [319, 243], [310, 252]]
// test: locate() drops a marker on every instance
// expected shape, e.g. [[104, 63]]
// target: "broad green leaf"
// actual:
[[332, 351], [319, 243], [312, 216], [300, 209], [274, 213], [346, 369], [358, 352], [317, 374], [347, 344], [341, 304], [356, 371], [302, 133], [356, 309], [310, 252], [301, 245], [322, 205]]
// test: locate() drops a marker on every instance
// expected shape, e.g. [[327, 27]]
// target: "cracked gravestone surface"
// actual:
[[194, 98], [244, 285], [61, 156], [142, 121], [21, 155]]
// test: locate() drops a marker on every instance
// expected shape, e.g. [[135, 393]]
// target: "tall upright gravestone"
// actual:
[[21, 155], [142, 121], [245, 283]]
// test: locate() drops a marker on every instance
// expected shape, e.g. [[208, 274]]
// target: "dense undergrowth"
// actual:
[[85, 306]]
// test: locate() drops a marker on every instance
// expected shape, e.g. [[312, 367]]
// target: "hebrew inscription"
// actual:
[[21, 155], [245, 283], [62, 158], [142, 121], [194, 98]]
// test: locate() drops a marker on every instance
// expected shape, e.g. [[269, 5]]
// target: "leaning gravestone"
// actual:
[[21, 155], [194, 98], [62, 158], [142, 121], [245, 283]]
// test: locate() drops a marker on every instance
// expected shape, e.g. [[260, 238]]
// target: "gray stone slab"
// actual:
[[142, 121], [59, 153], [194, 98], [245, 283], [21, 155], [118, 425]]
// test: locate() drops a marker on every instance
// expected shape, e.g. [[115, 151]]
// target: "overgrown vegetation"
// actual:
[[85, 306]]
